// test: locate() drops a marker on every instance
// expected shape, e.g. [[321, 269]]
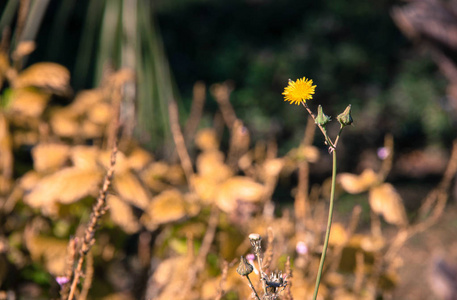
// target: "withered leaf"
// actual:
[[384, 200]]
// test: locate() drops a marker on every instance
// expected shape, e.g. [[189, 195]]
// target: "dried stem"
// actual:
[[196, 110], [269, 251], [221, 290], [288, 269], [252, 288], [98, 210], [221, 93], [178, 138], [71, 257]]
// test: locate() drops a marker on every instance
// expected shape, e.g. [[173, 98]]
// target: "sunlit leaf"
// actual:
[[28, 102], [85, 100], [385, 200], [85, 157], [100, 113], [130, 189], [49, 157], [168, 206], [65, 186], [139, 158], [64, 122], [355, 184], [338, 235], [122, 214], [211, 164], [236, 189], [51, 250], [45, 75], [206, 139]]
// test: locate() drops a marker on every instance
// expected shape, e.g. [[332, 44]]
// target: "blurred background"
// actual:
[[392, 61]]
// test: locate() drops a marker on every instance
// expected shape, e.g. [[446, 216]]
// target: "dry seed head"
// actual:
[[244, 268], [255, 240]]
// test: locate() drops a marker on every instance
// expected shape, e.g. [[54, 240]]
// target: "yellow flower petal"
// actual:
[[299, 91]]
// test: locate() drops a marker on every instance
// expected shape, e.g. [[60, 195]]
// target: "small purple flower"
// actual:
[[301, 248], [383, 153], [61, 280], [251, 257]]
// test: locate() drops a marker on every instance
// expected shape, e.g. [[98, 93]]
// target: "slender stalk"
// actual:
[[324, 132], [252, 288], [329, 225]]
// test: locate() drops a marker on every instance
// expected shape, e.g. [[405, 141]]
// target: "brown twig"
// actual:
[[98, 210], [178, 138]]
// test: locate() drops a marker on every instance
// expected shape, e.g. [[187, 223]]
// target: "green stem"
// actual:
[[329, 225]]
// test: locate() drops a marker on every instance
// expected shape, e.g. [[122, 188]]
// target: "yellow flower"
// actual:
[[299, 91]]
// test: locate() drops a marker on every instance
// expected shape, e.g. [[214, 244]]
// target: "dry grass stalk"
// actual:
[[178, 138], [98, 210], [144, 248], [268, 255], [221, 291], [196, 110], [288, 270], [221, 92], [239, 144], [88, 276], [359, 271], [71, 258]]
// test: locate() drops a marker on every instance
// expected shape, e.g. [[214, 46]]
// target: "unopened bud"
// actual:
[[322, 119], [244, 268], [345, 117]]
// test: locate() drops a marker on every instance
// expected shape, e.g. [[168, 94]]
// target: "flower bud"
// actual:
[[244, 268], [322, 119], [345, 117]]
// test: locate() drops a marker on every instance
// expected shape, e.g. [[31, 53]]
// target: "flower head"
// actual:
[[299, 91]]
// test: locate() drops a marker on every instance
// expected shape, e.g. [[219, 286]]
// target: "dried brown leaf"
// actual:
[[384, 200], [28, 102], [65, 186], [49, 157], [45, 75], [236, 189], [122, 214], [355, 184], [129, 188], [168, 206], [51, 250], [85, 157]]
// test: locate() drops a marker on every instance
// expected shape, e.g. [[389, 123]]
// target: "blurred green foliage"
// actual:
[[351, 49]]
